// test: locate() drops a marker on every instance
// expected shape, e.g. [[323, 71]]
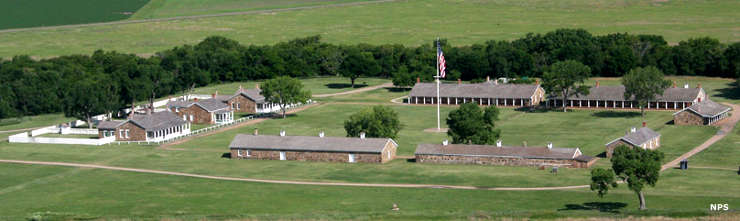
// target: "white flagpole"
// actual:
[[437, 79]]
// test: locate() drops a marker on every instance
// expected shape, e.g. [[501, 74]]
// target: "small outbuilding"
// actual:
[[643, 137], [502, 155], [313, 148], [206, 111], [706, 112]]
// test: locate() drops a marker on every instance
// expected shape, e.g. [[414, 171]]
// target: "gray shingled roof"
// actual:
[[616, 93], [494, 151], [479, 90], [639, 137], [253, 94], [209, 105], [112, 124], [706, 108], [310, 143], [157, 120]]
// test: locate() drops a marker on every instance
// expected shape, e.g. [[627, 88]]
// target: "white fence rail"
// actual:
[[24, 138]]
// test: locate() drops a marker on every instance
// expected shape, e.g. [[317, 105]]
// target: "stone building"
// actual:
[[486, 93], [705, 112], [249, 101], [502, 155], [313, 148], [613, 97], [152, 127], [206, 111], [643, 137]]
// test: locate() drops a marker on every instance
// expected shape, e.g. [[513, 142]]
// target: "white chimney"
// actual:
[[686, 85], [549, 145], [256, 131], [498, 143], [362, 135], [321, 134], [282, 133], [445, 142], [632, 130]]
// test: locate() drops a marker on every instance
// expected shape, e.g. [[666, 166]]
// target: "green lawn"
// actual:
[[723, 154], [174, 8], [32, 121], [34, 13], [63, 193], [317, 85], [406, 22]]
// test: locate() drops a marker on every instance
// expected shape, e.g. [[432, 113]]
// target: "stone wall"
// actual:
[[308, 156], [687, 118], [389, 152], [136, 133], [498, 161], [245, 104], [200, 115]]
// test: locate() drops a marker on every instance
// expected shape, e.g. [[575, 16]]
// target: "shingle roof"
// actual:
[[494, 151], [253, 94], [310, 143], [479, 90], [639, 137], [616, 93], [112, 124], [209, 105], [157, 120], [706, 108]]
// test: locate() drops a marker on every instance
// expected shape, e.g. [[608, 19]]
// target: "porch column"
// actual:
[[505, 101], [496, 101], [580, 103]]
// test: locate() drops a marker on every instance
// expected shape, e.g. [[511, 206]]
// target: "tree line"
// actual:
[[108, 80]]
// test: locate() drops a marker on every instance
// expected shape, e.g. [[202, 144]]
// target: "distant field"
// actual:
[[33, 121], [410, 23], [174, 8], [34, 13], [317, 85]]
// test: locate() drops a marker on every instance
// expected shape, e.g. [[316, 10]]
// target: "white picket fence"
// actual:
[[24, 138]]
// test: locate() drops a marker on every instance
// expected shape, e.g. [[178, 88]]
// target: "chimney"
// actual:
[[633, 129], [256, 132], [418, 80], [321, 134], [674, 84], [240, 89], [699, 99], [549, 145], [459, 81], [686, 85], [644, 124], [213, 95], [282, 133], [537, 81], [488, 78], [445, 142], [195, 99], [133, 108], [597, 83], [698, 85], [257, 86], [498, 143], [495, 81], [362, 135]]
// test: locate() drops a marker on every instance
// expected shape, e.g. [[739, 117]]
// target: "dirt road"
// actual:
[[355, 91]]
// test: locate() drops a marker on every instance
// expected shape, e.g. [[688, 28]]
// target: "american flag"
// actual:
[[441, 61]]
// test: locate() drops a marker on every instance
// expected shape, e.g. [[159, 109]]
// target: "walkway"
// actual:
[[194, 16], [355, 91]]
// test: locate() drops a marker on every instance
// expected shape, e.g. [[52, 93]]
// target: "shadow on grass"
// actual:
[[344, 85], [601, 155], [607, 207], [226, 155], [616, 114], [732, 92], [397, 89]]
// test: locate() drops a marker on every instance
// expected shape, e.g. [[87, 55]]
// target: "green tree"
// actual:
[[637, 167], [358, 63], [89, 95], [643, 84], [284, 90], [565, 79], [377, 121], [602, 180], [470, 124]]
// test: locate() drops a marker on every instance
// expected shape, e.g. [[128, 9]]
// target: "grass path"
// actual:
[[364, 89], [122, 22]]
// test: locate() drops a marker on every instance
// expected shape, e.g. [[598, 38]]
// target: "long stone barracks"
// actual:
[[486, 93], [313, 148], [502, 155], [613, 97], [643, 137], [706, 112]]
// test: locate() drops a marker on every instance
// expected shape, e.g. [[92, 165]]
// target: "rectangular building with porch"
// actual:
[[706, 112], [486, 93], [206, 111], [150, 127], [612, 97]]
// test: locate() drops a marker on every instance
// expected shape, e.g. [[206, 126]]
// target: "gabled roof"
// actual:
[[110, 124], [706, 108], [209, 105], [310, 143], [616, 93], [639, 137], [479, 90], [252, 94], [494, 151], [157, 120]]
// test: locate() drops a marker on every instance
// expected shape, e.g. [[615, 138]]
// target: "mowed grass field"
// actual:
[[410, 23], [318, 85], [35, 13], [175, 8]]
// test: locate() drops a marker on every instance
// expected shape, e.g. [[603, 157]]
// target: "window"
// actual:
[[177, 110], [249, 154], [351, 158], [184, 117], [191, 117], [282, 155], [127, 130], [239, 152], [120, 134], [149, 134]]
